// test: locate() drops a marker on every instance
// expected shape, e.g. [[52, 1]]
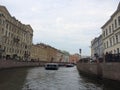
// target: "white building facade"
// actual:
[[97, 47], [111, 33], [15, 37]]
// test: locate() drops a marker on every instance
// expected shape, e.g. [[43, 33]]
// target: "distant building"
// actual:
[[59, 56], [111, 33], [74, 58], [15, 37], [47, 53], [66, 57], [38, 53], [97, 47]]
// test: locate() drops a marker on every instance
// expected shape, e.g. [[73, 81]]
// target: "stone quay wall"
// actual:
[[104, 70], [14, 64]]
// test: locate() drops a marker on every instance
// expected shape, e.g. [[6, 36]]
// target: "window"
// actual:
[[2, 30], [110, 41], [109, 29], [113, 40], [119, 20], [4, 48], [106, 32], [119, 37], [114, 51], [0, 21], [112, 27], [7, 26], [111, 51], [116, 38], [6, 33], [115, 23], [118, 51], [107, 44], [104, 45]]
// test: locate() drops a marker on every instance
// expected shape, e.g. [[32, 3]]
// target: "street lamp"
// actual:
[[80, 51]]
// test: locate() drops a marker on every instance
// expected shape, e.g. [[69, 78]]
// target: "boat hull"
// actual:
[[51, 66]]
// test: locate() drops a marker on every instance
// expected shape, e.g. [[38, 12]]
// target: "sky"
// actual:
[[64, 24]]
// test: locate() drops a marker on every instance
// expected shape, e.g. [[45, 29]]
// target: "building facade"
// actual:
[[111, 33], [46, 53], [38, 53], [43, 52], [15, 37], [74, 58], [97, 47], [65, 56]]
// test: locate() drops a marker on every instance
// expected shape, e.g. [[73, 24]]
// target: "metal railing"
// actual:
[[106, 58], [112, 57]]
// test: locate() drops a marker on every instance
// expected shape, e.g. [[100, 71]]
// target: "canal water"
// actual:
[[40, 79]]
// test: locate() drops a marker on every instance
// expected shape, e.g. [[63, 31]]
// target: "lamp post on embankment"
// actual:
[[80, 51]]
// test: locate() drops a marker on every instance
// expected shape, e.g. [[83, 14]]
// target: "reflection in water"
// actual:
[[40, 79], [12, 79], [102, 83], [62, 79]]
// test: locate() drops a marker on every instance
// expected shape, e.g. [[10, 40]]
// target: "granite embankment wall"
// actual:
[[13, 64], [103, 70]]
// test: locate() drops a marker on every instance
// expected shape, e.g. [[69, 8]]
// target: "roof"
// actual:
[[118, 10], [4, 10], [28, 26]]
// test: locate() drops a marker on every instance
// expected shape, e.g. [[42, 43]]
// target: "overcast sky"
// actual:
[[64, 24]]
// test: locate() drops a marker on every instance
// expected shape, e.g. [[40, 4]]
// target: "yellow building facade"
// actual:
[[38, 53], [43, 52]]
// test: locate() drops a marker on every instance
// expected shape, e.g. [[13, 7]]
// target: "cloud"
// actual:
[[64, 24]]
